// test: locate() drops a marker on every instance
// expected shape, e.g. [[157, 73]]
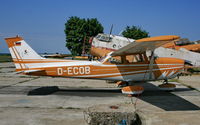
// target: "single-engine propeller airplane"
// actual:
[[129, 64]]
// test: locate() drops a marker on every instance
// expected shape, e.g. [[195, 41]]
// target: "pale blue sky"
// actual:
[[41, 22]]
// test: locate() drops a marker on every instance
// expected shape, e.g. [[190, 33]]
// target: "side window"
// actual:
[[129, 59], [136, 58]]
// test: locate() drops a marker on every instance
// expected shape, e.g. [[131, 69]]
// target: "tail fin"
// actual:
[[20, 52]]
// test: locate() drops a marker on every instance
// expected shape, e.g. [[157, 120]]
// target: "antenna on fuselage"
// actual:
[[111, 30]]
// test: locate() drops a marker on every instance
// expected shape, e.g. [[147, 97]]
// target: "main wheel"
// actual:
[[167, 87], [132, 90]]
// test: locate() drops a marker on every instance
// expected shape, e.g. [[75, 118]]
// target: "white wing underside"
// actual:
[[138, 47]]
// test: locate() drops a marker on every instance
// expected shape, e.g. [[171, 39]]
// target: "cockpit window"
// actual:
[[103, 37], [98, 36], [113, 60], [102, 59]]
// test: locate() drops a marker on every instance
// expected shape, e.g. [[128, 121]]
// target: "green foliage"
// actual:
[[77, 29], [5, 58], [135, 32]]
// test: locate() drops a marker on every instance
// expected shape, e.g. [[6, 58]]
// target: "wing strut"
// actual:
[[151, 65]]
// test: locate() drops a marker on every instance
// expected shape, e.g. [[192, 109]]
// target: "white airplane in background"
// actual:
[[127, 64], [102, 44]]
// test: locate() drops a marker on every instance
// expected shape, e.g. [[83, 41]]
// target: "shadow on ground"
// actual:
[[47, 90], [91, 92], [169, 101], [165, 100]]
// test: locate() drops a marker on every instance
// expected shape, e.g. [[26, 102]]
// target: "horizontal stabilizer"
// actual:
[[29, 71]]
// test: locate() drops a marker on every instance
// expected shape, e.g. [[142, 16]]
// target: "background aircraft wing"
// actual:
[[143, 45]]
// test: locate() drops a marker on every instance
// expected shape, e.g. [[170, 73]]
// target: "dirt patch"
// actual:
[[119, 114], [113, 118]]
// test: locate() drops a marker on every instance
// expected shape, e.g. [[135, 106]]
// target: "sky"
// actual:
[[41, 22]]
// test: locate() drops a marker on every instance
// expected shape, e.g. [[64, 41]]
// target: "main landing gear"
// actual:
[[130, 89], [167, 86]]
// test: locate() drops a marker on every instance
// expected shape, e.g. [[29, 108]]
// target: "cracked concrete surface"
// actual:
[[45, 100]]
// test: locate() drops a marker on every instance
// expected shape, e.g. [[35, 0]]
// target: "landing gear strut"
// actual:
[[165, 81]]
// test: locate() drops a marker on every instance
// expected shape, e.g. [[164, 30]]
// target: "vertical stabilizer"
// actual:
[[21, 52]]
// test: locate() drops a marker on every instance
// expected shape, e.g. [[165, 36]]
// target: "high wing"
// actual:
[[145, 44]]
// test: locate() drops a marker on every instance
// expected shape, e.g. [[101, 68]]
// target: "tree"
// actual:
[[78, 31], [135, 32]]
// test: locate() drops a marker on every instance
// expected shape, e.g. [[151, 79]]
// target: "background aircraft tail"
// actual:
[[21, 52]]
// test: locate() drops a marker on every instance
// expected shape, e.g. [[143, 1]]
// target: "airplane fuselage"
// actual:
[[163, 68]]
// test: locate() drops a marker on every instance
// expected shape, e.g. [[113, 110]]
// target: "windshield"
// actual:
[[102, 59]]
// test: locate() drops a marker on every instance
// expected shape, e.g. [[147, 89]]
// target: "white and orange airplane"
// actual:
[[128, 64]]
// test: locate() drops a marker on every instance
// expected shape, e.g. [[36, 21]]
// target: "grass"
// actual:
[[5, 58], [193, 70], [173, 80]]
